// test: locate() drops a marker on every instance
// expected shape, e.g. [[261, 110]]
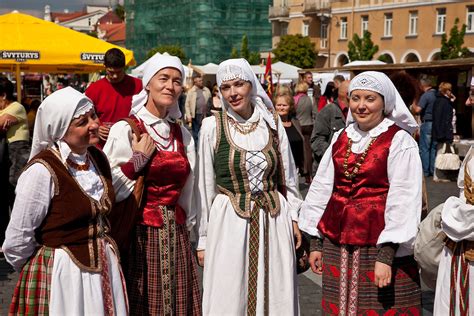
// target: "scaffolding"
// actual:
[[207, 30]]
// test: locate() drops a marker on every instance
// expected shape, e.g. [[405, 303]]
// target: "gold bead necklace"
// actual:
[[358, 164]]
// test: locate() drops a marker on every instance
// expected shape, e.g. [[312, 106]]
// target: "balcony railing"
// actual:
[[275, 12], [316, 6]]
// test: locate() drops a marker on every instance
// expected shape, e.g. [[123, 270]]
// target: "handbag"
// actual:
[[302, 255], [429, 243], [447, 160], [124, 214]]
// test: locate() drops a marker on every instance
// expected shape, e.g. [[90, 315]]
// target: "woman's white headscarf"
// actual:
[[240, 69], [164, 61], [55, 115], [395, 109]]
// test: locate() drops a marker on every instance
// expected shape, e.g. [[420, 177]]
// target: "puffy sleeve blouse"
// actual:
[[403, 206]]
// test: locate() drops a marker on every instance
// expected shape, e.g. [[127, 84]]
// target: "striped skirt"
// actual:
[[31, 295], [401, 297], [162, 277]]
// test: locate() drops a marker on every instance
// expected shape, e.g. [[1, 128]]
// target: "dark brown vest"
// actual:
[[75, 222]]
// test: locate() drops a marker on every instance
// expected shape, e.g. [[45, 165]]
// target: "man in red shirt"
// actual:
[[112, 95]]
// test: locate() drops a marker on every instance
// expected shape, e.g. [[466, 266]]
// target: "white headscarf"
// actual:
[[164, 61], [55, 115], [239, 68], [395, 109]]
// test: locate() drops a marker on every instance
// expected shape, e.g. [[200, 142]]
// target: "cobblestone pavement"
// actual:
[[309, 283]]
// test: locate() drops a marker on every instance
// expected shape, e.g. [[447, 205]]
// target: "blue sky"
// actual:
[[37, 6]]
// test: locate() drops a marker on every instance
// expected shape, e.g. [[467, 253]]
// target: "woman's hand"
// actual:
[[297, 234], [200, 257], [145, 145], [383, 274], [6, 124], [104, 132], [316, 261]]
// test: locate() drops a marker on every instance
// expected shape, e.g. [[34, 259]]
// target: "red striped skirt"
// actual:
[[31, 295], [402, 297], [162, 277]]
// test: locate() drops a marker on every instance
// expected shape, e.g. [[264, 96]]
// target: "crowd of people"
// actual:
[[115, 184]]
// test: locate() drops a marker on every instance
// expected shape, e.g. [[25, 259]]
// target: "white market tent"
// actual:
[[283, 73], [287, 71], [322, 78], [364, 63], [207, 69]]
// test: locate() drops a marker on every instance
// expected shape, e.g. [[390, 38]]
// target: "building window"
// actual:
[[470, 19], [413, 23], [284, 29], [324, 36], [441, 21], [89, 20], [364, 24], [387, 31], [343, 31], [305, 29]]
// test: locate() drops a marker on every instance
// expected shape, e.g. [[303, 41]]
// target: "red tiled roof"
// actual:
[[113, 32], [109, 18], [62, 17]]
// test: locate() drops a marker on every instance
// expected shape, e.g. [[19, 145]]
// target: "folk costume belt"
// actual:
[[463, 252], [167, 242], [254, 244]]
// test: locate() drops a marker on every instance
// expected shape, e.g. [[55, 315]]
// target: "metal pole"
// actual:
[[18, 83]]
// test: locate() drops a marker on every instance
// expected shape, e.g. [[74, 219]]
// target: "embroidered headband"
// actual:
[[231, 72]]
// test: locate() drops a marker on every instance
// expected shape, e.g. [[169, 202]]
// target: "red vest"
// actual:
[[165, 177], [355, 212]]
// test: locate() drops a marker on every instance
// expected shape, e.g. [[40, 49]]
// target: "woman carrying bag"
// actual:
[[443, 134], [161, 270]]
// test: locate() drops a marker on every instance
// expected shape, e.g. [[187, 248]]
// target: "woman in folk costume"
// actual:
[[247, 229], [161, 275], [364, 206], [58, 234], [454, 286]]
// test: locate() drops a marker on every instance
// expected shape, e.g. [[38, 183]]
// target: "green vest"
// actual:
[[231, 174]]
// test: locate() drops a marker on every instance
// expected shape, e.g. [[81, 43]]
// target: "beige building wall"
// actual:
[[302, 17], [405, 43]]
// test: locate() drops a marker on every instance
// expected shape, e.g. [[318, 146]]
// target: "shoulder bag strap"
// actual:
[[140, 182], [134, 127]]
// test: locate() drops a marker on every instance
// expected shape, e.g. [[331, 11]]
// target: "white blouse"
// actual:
[[253, 143], [403, 206], [457, 216], [118, 150], [34, 192]]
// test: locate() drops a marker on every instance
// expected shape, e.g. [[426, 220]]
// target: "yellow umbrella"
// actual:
[[30, 44]]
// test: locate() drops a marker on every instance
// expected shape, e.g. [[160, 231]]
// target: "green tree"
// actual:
[[174, 50], [297, 50], [244, 48], [252, 57], [120, 11], [452, 48], [362, 48], [234, 53]]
